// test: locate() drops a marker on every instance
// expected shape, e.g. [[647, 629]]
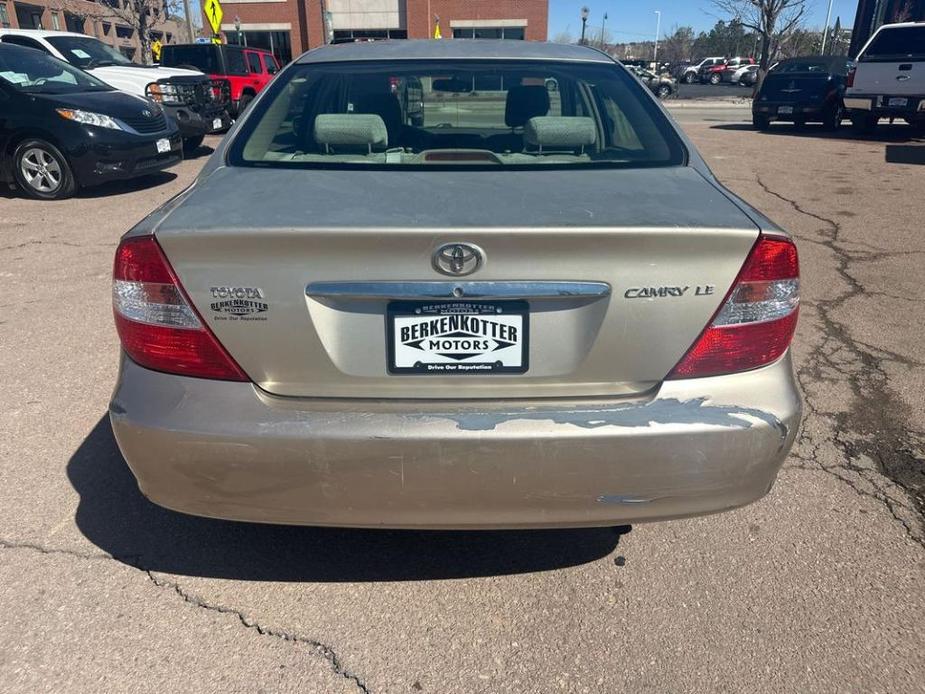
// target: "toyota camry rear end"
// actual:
[[421, 284]]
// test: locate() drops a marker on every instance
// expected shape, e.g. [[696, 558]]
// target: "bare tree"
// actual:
[[678, 45], [563, 37], [772, 20]]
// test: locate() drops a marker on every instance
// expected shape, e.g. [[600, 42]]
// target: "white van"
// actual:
[[187, 96], [889, 78]]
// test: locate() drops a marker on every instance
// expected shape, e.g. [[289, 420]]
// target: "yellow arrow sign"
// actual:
[[214, 13]]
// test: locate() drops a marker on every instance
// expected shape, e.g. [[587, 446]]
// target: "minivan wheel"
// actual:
[[191, 144], [42, 171], [832, 118]]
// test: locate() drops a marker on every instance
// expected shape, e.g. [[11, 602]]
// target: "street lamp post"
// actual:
[[658, 29], [602, 30], [825, 32], [584, 20]]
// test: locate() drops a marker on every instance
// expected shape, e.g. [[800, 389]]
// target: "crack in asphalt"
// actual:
[[876, 425], [321, 649]]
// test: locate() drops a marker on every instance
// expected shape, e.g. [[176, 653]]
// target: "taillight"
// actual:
[[849, 81], [158, 326], [755, 324]]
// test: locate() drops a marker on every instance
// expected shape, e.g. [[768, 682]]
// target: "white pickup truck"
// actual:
[[187, 96], [888, 80]]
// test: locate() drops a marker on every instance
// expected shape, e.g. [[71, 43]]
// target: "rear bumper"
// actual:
[[803, 111], [880, 105], [229, 450]]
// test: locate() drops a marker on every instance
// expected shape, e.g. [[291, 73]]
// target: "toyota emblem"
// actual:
[[457, 259]]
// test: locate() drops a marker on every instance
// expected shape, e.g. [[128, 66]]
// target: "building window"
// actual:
[[55, 23], [277, 42], [351, 35], [4, 16], [106, 27], [516, 33], [29, 16], [128, 52], [124, 32], [74, 23]]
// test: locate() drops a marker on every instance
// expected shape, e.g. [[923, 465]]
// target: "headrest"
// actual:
[[560, 132], [525, 102], [354, 129]]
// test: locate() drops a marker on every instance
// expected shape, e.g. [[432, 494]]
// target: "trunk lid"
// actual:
[[259, 250], [796, 87]]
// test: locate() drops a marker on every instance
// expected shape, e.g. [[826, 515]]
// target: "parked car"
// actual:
[[888, 79], [662, 86], [246, 70], [733, 66], [802, 90], [691, 73], [746, 76], [478, 322], [186, 96], [62, 129]]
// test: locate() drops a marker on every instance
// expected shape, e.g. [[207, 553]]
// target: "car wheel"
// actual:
[[864, 123], [833, 116], [663, 91], [688, 78], [761, 122], [191, 144], [715, 78], [42, 171]]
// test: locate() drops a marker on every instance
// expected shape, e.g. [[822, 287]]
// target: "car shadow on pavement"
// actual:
[[131, 185], [115, 517], [199, 152], [884, 133]]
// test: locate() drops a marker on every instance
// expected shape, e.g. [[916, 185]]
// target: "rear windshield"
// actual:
[[456, 113], [811, 66], [897, 44], [203, 57]]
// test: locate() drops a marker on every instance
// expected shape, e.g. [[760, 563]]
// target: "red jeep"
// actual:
[[246, 70]]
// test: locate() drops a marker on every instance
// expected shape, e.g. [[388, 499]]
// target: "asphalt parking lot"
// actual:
[[816, 588]]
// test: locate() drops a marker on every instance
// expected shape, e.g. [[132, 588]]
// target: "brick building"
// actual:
[[289, 27], [88, 17]]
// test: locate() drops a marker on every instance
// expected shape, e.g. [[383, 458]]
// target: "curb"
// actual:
[[707, 103]]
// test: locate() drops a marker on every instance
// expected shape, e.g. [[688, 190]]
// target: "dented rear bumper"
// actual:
[[230, 450]]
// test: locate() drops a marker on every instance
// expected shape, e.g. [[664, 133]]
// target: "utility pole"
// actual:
[[658, 30], [825, 32], [189, 21], [602, 30]]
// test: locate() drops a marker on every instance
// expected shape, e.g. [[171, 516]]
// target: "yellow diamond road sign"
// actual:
[[214, 14]]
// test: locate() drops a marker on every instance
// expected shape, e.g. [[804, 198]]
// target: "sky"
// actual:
[[635, 20]]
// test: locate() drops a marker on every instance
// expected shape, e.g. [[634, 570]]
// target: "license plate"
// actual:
[[458, 337], [785, 110], [216, 124], [163, 146], [898, 101]]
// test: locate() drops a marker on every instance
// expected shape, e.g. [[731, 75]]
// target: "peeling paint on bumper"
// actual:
[[229, 450]]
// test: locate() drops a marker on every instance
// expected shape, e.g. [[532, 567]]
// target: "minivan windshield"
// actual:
[[456, 113], [86, 52], [35, 72]]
